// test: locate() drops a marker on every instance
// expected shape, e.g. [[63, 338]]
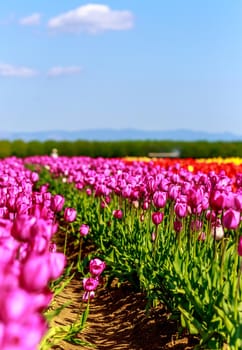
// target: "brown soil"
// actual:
[[117, 320]]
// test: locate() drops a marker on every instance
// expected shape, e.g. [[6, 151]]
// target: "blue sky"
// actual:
[[162, 65]]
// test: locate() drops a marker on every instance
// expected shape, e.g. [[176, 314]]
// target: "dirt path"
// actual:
[[117, 321]]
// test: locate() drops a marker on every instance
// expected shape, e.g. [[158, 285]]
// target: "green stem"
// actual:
[[65, 244]]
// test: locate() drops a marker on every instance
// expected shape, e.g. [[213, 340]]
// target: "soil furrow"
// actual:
[[117, 320]]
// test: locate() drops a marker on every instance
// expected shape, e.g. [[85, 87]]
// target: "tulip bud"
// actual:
[[145, 205], [217, 232], [177, 226], [118, 214], [153, 236]]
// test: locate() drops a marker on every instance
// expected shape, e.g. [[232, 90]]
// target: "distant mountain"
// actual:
[[120, 134]]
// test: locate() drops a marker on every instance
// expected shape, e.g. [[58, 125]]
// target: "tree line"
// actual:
[[115, 149]]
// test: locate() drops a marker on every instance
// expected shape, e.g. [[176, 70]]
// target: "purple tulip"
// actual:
[[35, 273], [145, 205], [231, 219], [174, 191], [159, 199], [15, 304], [238, 201], [21, 229], [70, 214], [88, 191], [240, 246], [181, 209], [217, 200], [24, 335], [177, 226], [57, 203], [84, 229], [118, 214], [157, 217], [90, 284], [96, 266], [57, 262]]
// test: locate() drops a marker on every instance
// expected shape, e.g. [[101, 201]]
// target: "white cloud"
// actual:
[[8, 70], [60, 71], [31, 20], [92, 18]]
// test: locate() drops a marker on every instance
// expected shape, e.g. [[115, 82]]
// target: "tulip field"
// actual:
[[171, 228]]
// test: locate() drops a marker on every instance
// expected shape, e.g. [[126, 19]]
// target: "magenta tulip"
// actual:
[[84, 230], [159, 199], [21, 229], [157, 217], [118, 214], [96, 266], [231, 219], [70, 214], [90, 284], [57, 203], [240, 246], [181, 209]]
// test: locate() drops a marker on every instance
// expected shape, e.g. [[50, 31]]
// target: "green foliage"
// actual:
[[115, 149], [5, 149]]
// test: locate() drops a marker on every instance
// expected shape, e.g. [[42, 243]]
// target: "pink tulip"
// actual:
[[153, 236], [90, 284], [24, 335], [21, 229], [217, 200], [177, 226], [15, 304], [84, 229], [240, 246], [145, 205], [174, 191], [231, 219], [181, 209], [57, 203], [159, 199], [96, 266], [35, 273], [57, 262], [88, 191], [118, 214], [157, 217], [70, 214]]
